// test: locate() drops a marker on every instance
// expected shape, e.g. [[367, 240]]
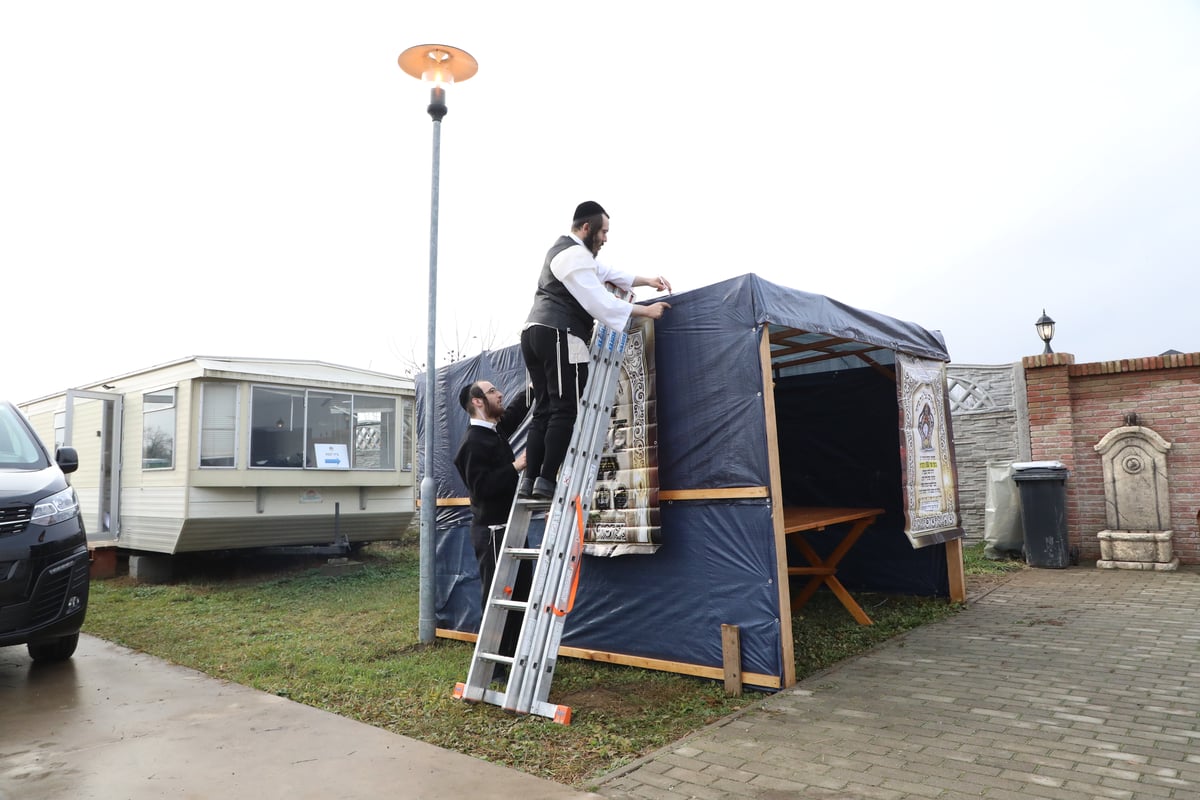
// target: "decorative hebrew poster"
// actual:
[[930, 486], [624, 517]]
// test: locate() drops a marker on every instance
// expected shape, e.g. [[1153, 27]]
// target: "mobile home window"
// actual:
[[320, 429], [328, 421], [406, 440], [276, 427], [374, 432], [218, 425], [158, 429]]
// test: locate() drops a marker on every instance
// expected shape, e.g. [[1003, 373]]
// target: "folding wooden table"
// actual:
[[824, 571]]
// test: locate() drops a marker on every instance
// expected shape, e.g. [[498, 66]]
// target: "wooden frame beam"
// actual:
[[787, 648], [819, 350], [662, 665], [727, 493]]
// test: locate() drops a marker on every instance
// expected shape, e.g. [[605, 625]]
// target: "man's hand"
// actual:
[[519, 464], [658, 282], [653, 311]]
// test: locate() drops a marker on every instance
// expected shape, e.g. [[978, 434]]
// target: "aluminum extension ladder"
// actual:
[[556, 561]]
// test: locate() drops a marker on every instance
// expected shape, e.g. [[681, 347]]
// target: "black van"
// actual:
[[43, 547]]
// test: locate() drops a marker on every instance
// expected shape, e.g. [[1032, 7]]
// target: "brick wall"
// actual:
[[1071, 406]]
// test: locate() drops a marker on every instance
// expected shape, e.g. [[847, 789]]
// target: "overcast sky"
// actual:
[[253, 178]]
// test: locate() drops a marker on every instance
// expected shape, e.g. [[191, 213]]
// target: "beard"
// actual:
[[589, 242]]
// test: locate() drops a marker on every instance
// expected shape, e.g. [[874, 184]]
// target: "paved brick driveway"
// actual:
[[1061, 684]]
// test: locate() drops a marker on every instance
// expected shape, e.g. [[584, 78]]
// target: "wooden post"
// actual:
[[787, 651], [731, 650], [954, 566]]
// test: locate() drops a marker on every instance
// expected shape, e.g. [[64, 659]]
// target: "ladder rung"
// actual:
[[496, 658], [496, 698], [557, 713], [515, 605], [527, 553]]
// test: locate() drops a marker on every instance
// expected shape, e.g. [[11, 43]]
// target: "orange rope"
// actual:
[[562, 612]]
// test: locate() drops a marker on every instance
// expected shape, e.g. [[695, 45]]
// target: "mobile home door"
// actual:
[[97, 483]]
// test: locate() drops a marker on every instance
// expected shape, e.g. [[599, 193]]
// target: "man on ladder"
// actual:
[[554, 341], [570, 291]]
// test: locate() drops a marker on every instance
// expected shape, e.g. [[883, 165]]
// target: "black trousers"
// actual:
[[556, 387], [487, 549]]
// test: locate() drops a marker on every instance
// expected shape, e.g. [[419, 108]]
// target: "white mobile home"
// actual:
[[211, 453]]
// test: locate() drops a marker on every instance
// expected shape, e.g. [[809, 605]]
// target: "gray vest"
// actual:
[[553, 303]]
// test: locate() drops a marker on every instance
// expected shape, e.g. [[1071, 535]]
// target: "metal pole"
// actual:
[[426, 622]]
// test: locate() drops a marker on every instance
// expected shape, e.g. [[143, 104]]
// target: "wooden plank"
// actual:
[[658, 664], [811, 571], [787, 649], [780, 335], [849, 602], [727, 493], [805, 549], [449, 501], [954, 566], [680, 667], [814, 518], [802, 596], [731, 653], [781, 339], [886, 372], [843, 547]]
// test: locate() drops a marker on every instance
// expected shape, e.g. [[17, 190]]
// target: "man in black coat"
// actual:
[[488, 467]]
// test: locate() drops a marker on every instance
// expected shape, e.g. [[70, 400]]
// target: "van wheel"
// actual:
[[58, 650]]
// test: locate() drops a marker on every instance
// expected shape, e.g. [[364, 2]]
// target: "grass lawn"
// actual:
[[348, 644]]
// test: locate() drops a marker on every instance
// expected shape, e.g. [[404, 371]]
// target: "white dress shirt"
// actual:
[[585, 277]]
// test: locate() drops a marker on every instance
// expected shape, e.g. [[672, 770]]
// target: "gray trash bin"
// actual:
[[1043, 489]]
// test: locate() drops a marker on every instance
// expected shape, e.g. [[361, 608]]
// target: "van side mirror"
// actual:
[[67, 458]]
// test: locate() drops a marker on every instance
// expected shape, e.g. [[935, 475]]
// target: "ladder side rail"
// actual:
[[591, 468], [598, 420]]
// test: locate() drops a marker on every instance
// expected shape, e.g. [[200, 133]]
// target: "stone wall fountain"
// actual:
[[1137, 503]]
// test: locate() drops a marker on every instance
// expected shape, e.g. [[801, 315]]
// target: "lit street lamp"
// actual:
[[1045, 331], [441, 65]]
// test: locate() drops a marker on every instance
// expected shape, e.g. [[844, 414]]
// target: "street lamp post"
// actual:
[[441, 65]]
